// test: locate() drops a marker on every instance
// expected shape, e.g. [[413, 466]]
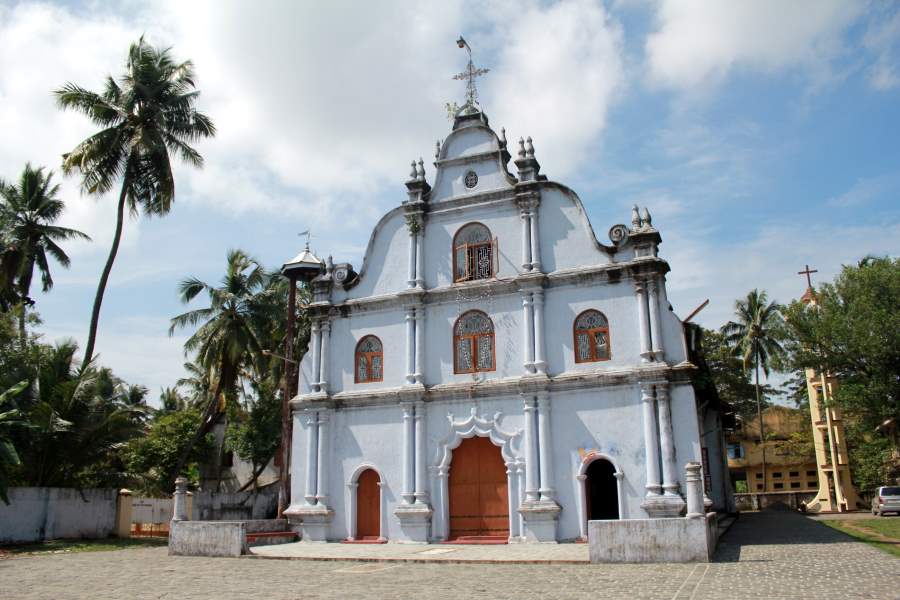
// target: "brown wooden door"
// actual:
[[479, 500], [368, 506]]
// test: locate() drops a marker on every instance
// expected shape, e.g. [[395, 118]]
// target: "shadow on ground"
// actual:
[[774, 527]]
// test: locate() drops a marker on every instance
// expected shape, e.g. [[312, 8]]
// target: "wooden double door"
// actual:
[[368, 506], [479, 496]]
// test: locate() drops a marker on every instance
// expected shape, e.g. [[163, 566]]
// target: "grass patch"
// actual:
[[67, 546], [871, 531]]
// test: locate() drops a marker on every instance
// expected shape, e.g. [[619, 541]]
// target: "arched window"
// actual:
[[591, 337], [474, 253], [369, 360], [473, 343]]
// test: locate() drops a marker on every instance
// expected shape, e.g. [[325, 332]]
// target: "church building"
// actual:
[[492, 371]]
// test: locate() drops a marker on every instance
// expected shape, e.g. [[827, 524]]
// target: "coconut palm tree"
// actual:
[[143, 116], [754, 336], [27, 212], [230, 338]]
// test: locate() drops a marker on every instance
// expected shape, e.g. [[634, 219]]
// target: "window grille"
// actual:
[[473, 343], [369, 360], [474, 253], [591, 337]]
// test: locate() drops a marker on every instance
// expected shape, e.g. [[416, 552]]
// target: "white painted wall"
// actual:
[[39, 513]]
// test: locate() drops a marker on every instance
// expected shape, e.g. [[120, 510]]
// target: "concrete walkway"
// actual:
[[452, 553]]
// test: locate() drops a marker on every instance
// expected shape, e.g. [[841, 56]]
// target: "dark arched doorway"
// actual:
[[601, 491], [368, 506], [479, 499]]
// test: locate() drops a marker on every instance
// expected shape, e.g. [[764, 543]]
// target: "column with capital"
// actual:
[[525, 215], [312, 456], [413, 259], [640, 292], [656, 336], [408, 492], [666, 440], [545, 448], [420, 254], [535, 236], [410, 345], [540, 363], [325, 359], [651, 440], [323, 467], [528, 331], [315, 343], [421, 495], [419, 374], [531, 454]]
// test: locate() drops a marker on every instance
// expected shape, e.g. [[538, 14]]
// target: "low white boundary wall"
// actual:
[[208, 538], [38, 513], [653, 540]]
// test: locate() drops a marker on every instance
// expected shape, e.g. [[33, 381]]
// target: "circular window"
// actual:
[[471, 179]]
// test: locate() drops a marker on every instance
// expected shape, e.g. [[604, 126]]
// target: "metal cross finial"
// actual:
[[309, 236], [808, 272], [469, 74]]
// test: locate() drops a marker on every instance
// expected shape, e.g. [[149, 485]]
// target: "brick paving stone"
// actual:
[[766, 555]]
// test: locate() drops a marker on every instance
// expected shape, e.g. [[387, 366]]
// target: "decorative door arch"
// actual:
[[478, 491], [602, 494]]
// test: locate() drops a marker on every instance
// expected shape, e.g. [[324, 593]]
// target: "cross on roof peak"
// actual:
[[808, 272], [469, 75]]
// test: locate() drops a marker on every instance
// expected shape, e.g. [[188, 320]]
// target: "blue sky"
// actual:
[[761, 135]]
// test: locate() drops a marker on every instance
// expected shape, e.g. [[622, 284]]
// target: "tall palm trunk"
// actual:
[[104, 277], [24, 290], [762, 435]]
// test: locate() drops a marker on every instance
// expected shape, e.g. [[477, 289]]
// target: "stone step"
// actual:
[[268, 538]]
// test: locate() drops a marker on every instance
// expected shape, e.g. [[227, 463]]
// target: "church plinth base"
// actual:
[[312, 521], [415, 522], [540, 521], [663, 506]]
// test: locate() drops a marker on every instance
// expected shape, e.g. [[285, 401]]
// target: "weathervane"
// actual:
[[469, 75], [308, 234]]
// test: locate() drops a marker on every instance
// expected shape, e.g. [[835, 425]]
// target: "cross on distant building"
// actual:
[[808, 272], [469, 74]]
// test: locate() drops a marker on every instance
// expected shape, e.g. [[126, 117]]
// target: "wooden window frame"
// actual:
[[473, 345], [368, 356], [467, 248], [589, 332]]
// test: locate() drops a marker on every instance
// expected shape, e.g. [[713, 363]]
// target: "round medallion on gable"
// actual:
[[471, 179]]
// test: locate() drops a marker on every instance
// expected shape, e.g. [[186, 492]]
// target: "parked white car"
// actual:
[[887, 499]]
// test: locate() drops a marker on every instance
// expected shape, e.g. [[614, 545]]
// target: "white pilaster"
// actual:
[[312, 456], [408, 492], [325, 358], [535, 238], [421, 493], [323, 466], [420, 257], [540, 363], [531, 452], [666, 440], [420, 345], [656, 344], [526, 239], [640, 291], [651, 440], [512, 494], [528, 331], [410, 345], [315, 342], [413, 246], [545, 448]]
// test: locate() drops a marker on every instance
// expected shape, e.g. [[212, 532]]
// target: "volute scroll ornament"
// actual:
[[618, 233]]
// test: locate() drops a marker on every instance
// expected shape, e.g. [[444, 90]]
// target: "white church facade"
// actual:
[[493, 372]]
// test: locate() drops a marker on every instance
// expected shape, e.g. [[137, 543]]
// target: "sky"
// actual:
[[762, 135]]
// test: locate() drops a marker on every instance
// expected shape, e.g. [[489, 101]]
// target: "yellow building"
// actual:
[[784, 471]]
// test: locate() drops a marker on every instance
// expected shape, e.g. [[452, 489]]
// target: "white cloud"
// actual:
[[865, 190], [698, 42], [559, 70], [883, 40]]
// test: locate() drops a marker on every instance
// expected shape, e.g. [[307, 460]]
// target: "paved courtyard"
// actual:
[[764, 555]]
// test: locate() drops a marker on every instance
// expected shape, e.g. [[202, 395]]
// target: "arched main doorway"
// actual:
[[601, 491], [479, 498], [368, 506]]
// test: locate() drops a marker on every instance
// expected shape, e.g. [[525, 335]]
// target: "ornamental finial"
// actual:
[[521, 148], [647, 222], [503, 137], [529, 148], [437, 150], [469, 76], [635, 218], [420, 172], [412, 171]]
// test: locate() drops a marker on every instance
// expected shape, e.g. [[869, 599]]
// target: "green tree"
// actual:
[[754, 336], [851, 333], [154, 458], [731, 379], [255, 438], [28, 212], [230, 336], [9, 418], [147, 114]]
